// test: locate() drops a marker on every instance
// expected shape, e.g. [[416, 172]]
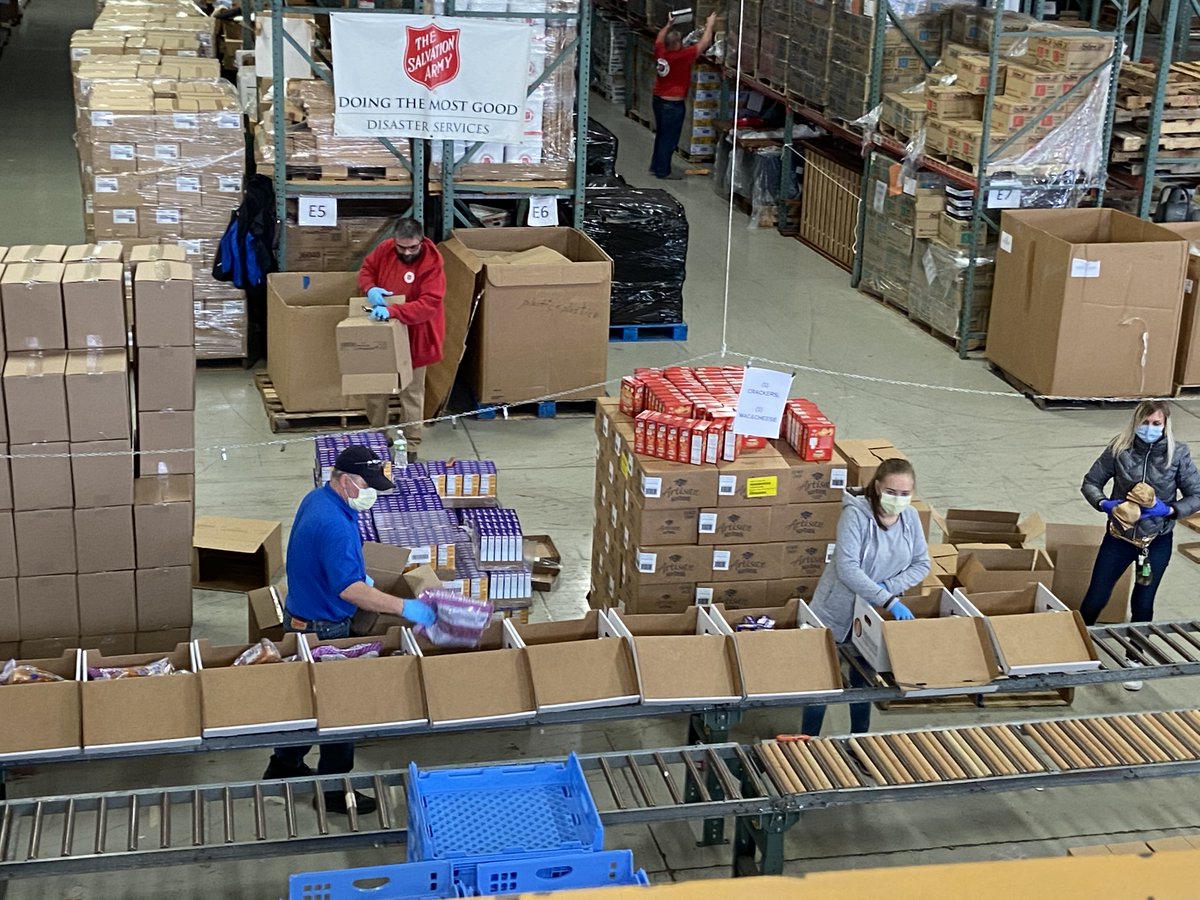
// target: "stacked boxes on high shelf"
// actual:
[[698, 140], [609, 36], [850, 66], [812, 43], [90, 555]]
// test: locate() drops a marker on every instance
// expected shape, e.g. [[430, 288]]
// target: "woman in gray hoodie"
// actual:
[[881, 552]]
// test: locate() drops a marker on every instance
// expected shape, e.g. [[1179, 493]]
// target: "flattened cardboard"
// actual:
[[681, 658], [29, 732], [230, 554], [264, 612], [253, 699], [1073, 549], [341, 702], [152, 711]]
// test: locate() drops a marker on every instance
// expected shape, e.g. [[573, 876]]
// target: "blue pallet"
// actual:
[[501, 812], [558, 872], [544, 409], [675, 331], [431, 880]]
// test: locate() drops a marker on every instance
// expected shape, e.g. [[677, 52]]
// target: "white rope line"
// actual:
[[737, 82]]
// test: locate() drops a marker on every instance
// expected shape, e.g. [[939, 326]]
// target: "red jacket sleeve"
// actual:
[[428, 303], [369, 270]]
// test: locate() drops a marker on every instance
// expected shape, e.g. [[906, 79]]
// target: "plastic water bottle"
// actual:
[[400, 451]]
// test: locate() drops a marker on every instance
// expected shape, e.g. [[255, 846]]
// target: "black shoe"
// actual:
[[276, 770], [335, 801], [412, 457], [671, 177]]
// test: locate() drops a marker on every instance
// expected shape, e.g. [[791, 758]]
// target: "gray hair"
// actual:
[[407, 228]]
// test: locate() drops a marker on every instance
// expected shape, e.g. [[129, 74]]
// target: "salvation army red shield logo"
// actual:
[[431, 55]]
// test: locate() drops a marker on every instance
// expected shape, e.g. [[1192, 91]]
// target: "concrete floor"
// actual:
[[984, 449]]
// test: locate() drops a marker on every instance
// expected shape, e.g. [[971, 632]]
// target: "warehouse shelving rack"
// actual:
[[452, 190]]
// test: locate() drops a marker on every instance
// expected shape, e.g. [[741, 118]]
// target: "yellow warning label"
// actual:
[[766, 486], [625, 465]]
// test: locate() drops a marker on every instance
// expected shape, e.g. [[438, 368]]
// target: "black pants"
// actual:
[[336, 758], [668, 125], [1114, 558], [860, 713]]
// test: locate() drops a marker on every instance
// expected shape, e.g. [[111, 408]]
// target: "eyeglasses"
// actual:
[[408, 248]]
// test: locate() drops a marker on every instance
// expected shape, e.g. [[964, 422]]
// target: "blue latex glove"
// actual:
[[370, 581], [1107, 506], [420, 612], [1158, 510], [376, 296], [380, 314], [881, 585], [899, 611]]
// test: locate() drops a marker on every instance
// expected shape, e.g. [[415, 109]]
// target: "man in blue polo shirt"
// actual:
[[327, 582]]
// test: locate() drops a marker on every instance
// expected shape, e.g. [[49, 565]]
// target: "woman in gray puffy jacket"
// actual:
[[1144, 452]]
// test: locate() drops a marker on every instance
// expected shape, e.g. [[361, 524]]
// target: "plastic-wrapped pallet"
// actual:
[[937, 286], [601, 151]]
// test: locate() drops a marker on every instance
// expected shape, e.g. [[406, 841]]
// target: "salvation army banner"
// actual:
[[429, 77]]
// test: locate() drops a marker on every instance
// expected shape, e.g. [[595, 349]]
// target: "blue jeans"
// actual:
[[860, 713], [668, 125], [1114, 557], [336, 758]]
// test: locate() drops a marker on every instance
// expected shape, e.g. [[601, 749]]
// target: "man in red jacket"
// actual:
[[404, 280]]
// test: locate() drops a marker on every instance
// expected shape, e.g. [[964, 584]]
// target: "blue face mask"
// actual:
[[1149, 433]]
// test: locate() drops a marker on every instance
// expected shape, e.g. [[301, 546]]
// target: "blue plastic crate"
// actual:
[[558, 872], [431, 880], [500, 812]]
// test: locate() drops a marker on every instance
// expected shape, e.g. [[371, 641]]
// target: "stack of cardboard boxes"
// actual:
[[699, 137], [89, 554], [850, 67]]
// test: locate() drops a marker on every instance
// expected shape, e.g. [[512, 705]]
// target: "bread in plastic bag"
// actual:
[[460, 620]]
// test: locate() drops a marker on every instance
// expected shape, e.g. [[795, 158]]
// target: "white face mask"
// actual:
[[365, 500], [894, 505]]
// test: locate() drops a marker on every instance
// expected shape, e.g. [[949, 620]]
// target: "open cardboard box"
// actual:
[[942, 652], [253, 699], [357, 693], [231, 554], [265, 609], [681, 657], [863, 457], [544, 559], [393, 574], [989, 526], [1032, 632], [1002, 568], [373, 356], [577, 664], [42, 718], [151, 711], [490, 683], [1073, 549], [796, 658]]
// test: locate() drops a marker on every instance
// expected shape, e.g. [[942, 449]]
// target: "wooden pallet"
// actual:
[[538, 409], [1058, 403], [1026, 699], [332, 420], [342, 174], [695, 158], [951, 340], [1132, 144]]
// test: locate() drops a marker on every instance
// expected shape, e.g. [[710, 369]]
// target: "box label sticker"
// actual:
[[721, 560], [420, 556], [1004, 199], [829, 548], [317, 211], [1085, 268], [612, 515], [838, 478], [229, 184], [186, 120], [166, 152], [604, 426], [106, 185], [626, 464], [708, 523], [1006, 242], [651, 487], [704, 596], [102, 118], [930, 266], [123, 152], [910, 186], [124, 216], [543, 211], [1188, 285], [763, 486], [647, 563], [191, 247], [187, 184], [229, 120], [167, 216], [237, 307], [727, 485], [881, 189], [80, 52]]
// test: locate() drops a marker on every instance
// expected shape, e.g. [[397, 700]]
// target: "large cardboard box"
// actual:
[[231, 554], [577, 664], [812, 482], [681, 658], [162, 521], [736, 524], [671, 564], [47, 607], [659, 484], [805, 522], [746, 562], [43, 718], [1063, 273], [107, 603], [373, 357], [253, 699], [150, 711], [1073, 549], [94, 304], [162, 304], [863, 458], [538, 325], [105, 479], [989, 526], [41, 476], [654, 527], [795, 658], [45, 542], [104, 539], [303, 309], [942, 652], [653, 598], [35, 395], [161, 435], [341, 702], [1031, 631], [166, 378], [986, 570], [31, 297], [1187, 358], [164, 599], [98, 395], [395, 575], [754, 479]]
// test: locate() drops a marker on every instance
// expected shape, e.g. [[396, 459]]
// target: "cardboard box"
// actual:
[[31, 732], [41, 476], [303, 309], [10, 617], [1003, 569], [736, 525], [35, 253], [31, 297], [671, 564], [577, 664], [681, 658], [642, 599], [231, 554], [754, 479], [106, 252], [373, 357], [163, 431], [35, 395], [253, 699], [160, 641], [1082, 262], [452, 679], [166, 378], [107, 603], [265, 609], [47, 607], [1187, 358], [863, 458], [989, 526], [1032, 632], [162, 304], [796, 658], [164, 598], [395, 575], [658, 484], [98, 395], [151, 711], [102, 480], [110, 644], [941, 652], [1073, 549], [341, 702], [746, 562], [806, 522], [162, 521], [521, 303], [45, 542], [94, 303], [806, 560], [104, 539], [654, 527], [812, 482]]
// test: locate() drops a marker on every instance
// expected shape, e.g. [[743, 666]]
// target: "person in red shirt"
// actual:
[[673, 67], [404, 280]]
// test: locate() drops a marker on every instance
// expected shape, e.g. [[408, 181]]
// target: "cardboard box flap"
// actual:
[[83, 272], [231, 534], [1031, 599], [575, 674], [160, 709], [948, 652], [341, 702], [1033, 639], [1059, 536], [681, 657], [249, 699], [266, 607], [31, 731], [451, 678], [163, 270], [689, 622], [591, 626]]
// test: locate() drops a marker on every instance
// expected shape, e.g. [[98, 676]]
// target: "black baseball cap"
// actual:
[[362, 461]]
